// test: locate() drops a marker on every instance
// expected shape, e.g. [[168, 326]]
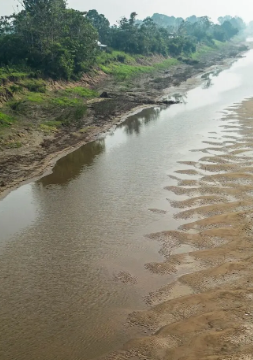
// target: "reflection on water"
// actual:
[[179, 97], [70, 166], [209, 76], [134, 123], [86, 222]]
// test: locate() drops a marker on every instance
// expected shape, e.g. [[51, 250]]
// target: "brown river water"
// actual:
[[72, 244]]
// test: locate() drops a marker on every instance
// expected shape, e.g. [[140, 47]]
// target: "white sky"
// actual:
[[115, 9]]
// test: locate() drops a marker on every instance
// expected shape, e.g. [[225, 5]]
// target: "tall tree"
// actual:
[[101, 24], [48, 36]]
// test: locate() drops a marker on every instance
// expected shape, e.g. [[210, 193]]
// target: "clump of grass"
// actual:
[[14, 88], [9, 74], [34, 85], [16, 105], [74, 116], [35, 97], [53, 123], [86, 129], [124, 71], [14, 145], [5, 120], [202, 50], [65, 102], [50, 126], [167, 63], [83, 92], [114, 56]]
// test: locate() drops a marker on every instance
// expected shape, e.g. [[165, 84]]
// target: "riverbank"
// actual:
[[206, 313], [31, 147]]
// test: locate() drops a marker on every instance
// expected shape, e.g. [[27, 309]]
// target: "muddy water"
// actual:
[[72, 245]]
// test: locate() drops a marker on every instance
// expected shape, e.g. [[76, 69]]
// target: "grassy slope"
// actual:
[[23, 95], [123, 66]]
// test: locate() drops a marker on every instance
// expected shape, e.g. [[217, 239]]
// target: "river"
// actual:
[[72, 244]]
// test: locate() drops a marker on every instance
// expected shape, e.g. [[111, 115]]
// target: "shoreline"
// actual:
[[44, 165], [48, 163], [207, 312]]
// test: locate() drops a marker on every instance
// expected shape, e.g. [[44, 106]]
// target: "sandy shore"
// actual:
[[206, 312]]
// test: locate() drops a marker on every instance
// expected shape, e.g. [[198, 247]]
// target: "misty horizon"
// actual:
[[182, 8]]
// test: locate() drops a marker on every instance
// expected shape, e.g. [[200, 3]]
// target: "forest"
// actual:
[[62, 43]]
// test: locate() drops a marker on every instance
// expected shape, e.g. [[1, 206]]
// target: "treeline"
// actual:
[[47, 36], [163, 34], [60, 42]]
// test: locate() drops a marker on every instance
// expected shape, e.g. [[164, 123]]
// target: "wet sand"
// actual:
[[206, 310]]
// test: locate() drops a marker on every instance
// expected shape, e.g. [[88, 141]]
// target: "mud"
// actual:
[[206, 310]]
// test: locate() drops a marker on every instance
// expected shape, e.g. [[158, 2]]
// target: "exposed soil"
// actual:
[[39, 150], [206, 310]]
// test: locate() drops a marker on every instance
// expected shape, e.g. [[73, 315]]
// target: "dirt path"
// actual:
[[207, 312]]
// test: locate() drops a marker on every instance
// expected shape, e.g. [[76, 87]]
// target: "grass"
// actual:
[[115, 56], [14, 88], [34, 85], [50, 126], [35, 97], [124, 67], [124, 72], [166, 64], [8, 74], [64, 101], [53, 123], [83, 92], [86, 129], [5, 120], [202, 50], [14, 145]]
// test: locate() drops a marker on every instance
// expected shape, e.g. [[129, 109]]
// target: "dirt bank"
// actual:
[[207, 312], [31, 151]]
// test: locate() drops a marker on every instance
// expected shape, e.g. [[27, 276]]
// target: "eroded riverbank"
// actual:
[[37, 150]]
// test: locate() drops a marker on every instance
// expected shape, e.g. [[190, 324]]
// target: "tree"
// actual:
[[101, 24], [218, 33], [47, 36], [229, 29]]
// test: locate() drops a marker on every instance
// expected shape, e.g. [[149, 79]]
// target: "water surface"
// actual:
[[65, 238]]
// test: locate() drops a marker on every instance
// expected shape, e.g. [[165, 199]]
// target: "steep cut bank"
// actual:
[[47, 124], [207, 312]]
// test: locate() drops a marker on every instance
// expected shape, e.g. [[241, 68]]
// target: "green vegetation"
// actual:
[[47, 39], [34, 85], [86, 129], [35, 97], [65, 101], [167, 63], [129, 66], [124, 72], [5, 120], [202, 50], [50, 126], [14, 145], [83, 92]]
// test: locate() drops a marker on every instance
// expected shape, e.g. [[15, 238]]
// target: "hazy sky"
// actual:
[[115, 9]]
